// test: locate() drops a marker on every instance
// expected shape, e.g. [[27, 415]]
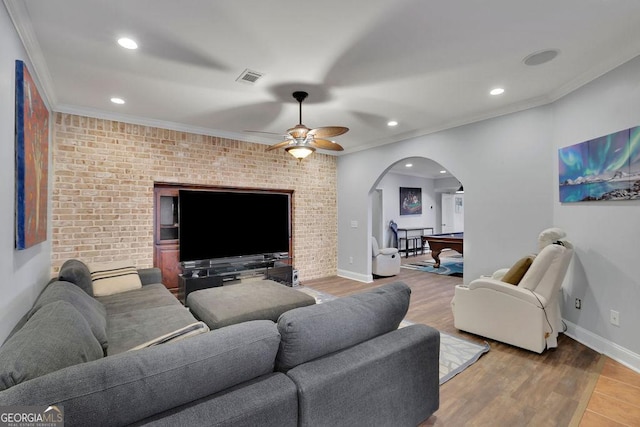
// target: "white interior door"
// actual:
[[448, 224]]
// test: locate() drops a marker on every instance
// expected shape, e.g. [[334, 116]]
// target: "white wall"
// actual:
[[24, 273], [509, 168], [606, 269], [506, 168]]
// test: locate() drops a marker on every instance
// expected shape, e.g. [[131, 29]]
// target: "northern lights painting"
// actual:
[[605, 168], [32, 160]]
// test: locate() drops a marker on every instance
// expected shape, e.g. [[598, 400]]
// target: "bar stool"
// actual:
[[414, 243]]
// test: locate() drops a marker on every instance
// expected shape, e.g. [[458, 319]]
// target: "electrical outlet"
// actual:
[[578, 303], [350, 260], [614, 318]]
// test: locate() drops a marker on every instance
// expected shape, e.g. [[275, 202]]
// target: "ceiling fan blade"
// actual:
[[279, 145], [328, 131], [326, 145]]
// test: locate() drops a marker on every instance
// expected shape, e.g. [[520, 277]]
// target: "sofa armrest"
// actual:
[[314, 331], [392, 380], [508, 289], [150, 275], [143, 383]]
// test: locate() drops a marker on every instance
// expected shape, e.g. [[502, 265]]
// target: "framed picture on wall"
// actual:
[[32, 158], [410, 201]]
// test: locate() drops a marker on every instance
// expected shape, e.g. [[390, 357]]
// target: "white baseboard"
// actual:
[[355, 276], [618, 353]]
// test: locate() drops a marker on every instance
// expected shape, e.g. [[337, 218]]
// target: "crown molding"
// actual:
[[22, 22], [627, 53], [163, 124]]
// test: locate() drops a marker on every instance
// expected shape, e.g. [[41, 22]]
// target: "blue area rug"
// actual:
[[456, 354], [448, 266]]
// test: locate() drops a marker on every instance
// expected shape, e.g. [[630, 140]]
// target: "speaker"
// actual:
[[295, 281]]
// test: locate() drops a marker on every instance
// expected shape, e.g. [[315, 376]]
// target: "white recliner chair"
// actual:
[[526, 314], [386, 261]]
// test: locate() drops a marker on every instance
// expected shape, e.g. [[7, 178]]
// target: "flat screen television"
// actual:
[[221, 224]]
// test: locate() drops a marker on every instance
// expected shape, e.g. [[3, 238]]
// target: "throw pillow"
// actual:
[[518, 270], [90, 308], [113, 278], [76, 272], [57, 336]]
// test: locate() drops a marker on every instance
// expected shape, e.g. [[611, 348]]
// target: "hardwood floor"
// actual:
[[615, 401], [507, 386]]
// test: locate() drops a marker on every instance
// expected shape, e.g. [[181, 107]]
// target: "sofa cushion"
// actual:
[[130, 329], [268, 401], [314, 331], [76, 272], [114, 277], [128, 387], [517, 271], [148, 296], [55, 337], [92, 310]]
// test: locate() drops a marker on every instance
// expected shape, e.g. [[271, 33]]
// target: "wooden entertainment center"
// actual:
[[179, 277]]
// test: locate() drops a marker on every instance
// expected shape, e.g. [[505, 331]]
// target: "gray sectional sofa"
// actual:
[[343, 362]]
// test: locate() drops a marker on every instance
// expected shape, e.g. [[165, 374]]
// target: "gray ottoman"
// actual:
[[255, 300]]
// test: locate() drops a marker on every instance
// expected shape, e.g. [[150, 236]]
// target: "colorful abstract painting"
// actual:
[[32, 158], [605, 168]]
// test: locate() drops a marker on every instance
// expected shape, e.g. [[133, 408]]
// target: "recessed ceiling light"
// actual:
[[127, 43], [443, 171], [116, 100], [408, 165], [541, 57], [392, 123], [497, 91]]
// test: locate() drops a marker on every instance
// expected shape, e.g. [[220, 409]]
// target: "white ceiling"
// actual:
[[429, 64]]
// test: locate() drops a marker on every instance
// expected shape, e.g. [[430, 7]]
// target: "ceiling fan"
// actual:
[[301, 141]]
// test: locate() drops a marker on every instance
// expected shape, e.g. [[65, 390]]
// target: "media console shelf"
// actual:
[[197, 275]]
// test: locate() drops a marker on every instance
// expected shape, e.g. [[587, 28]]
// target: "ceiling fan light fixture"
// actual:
[[300, 152], [301, 141]]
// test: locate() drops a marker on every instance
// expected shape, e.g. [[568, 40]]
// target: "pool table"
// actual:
[[438, 242]]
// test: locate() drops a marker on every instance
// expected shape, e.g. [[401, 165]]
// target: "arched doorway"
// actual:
[[424, 178]]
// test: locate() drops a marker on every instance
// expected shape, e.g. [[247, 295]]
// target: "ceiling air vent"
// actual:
[[249, 77]]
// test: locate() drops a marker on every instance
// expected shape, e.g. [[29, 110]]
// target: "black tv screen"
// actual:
[[220, 224]]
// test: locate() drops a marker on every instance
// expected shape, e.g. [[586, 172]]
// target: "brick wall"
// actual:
[[103, 176]]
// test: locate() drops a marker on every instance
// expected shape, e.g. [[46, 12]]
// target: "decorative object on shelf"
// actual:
[[410, 201], [301, 141], [604, 168], [32, 161], [460, 190]]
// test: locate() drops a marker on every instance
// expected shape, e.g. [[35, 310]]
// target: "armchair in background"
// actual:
[[386, 261], [519, 306]]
